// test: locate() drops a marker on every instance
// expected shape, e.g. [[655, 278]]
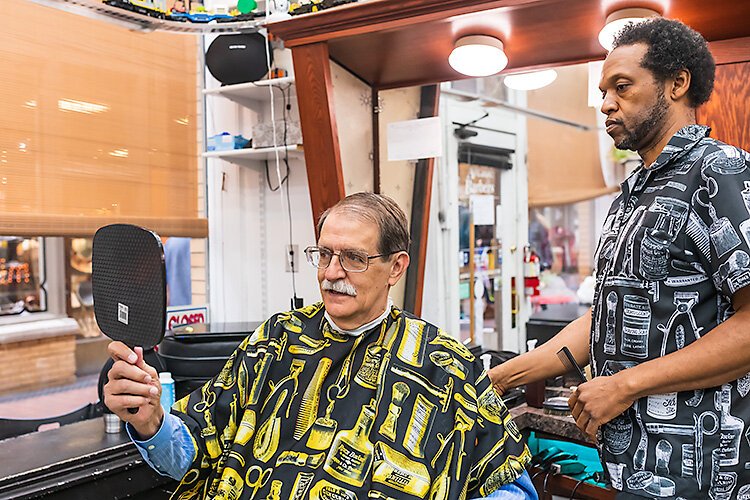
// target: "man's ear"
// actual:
[[680, 85], [398, 268]]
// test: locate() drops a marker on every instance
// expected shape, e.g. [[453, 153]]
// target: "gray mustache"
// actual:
[[339, 286]]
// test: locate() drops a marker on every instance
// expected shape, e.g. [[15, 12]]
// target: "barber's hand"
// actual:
[[498, 378], [596, 402], [134, 384]]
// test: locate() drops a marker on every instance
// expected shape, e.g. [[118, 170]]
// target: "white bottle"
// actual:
[[167, 390]]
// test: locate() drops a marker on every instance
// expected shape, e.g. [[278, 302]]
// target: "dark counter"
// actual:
[[545, 323], [535, 419], [77, 461]]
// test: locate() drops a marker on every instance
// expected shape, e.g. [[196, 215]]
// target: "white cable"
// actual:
[[284, 203]]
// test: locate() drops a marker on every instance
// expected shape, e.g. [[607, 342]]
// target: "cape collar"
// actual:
[[367, 326]]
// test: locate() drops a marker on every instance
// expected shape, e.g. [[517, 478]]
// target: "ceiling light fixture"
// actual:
[[478, 55], [530, 81], [618, 19]]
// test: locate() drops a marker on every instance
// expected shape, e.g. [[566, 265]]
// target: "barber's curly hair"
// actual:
[[673, 46]]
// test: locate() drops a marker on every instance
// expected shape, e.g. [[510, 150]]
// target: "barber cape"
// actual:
[[303, 411]]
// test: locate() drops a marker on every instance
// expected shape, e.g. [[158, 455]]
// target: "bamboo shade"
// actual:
[[563, 161], [99, 126]]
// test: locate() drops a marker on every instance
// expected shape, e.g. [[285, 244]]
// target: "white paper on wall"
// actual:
[[415, 139]]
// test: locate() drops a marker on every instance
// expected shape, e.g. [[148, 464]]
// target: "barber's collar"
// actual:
[[681, 142], [367, 326]]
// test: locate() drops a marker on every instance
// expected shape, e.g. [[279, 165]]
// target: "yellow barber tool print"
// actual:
[[230, 431], [367, 376], [301, 484], [323, 490], [230, 486], [209, 435], [441, 487], [190, 480], [305, 412], [308, 407], [275, 493], [300, 459], [388, 428], [453, 345], [323, 431], [350, 457], [419, 427], [413, 342], [247, 427], [447, 362], [208, 400], [267, 439], [256, 478], [396, 470], [226, 377]]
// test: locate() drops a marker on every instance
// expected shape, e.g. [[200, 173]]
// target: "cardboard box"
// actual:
[[263, 134]]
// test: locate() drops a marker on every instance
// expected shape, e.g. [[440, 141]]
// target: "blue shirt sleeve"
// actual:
[[171, 450], [520, 489]]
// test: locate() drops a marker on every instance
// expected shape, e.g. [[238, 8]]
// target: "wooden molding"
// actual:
[[325, 178], [391, 44], [420, 211], [377, 15], [731, 51]]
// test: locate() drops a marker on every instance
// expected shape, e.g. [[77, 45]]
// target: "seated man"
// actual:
[[350, 398]]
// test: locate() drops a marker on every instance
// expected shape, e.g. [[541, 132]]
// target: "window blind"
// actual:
[[99, 126]]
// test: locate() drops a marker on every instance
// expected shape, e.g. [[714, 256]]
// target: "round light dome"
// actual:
[[618, 20], [478, 55], [530, 81]]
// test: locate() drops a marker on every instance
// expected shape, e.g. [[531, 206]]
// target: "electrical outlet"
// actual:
[[291, 258]]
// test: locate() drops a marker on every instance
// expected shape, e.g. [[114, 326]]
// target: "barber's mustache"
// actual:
[[340, 286]]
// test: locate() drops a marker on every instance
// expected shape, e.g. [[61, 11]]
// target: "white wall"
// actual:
[[248, 224]]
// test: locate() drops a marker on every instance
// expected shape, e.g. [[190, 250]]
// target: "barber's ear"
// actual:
[[680, 85], [400, 263]]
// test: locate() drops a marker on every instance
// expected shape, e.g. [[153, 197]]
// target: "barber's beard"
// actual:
[[634, 138], [340, 286]]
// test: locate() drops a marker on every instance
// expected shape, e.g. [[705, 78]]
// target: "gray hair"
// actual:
[[381, 211]]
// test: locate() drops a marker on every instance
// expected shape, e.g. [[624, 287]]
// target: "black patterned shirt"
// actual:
[[674, 249]]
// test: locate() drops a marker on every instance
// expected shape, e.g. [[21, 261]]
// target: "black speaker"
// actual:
[[238, 58]]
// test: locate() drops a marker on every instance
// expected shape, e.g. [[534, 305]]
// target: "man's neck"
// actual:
[[650, 153]]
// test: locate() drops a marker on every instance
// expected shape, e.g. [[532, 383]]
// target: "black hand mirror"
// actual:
[[129, 285]]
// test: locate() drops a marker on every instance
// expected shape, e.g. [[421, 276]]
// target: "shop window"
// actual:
[[185, 268], [99, 127], [21, 276]]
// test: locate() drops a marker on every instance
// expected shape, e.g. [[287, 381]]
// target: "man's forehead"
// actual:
[[349, 228], [624, 61]]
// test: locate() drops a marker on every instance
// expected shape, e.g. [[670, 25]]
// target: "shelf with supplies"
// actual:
[[243, 156], [243, 93], [136, 21]]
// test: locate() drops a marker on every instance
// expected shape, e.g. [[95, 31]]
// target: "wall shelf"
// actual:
[[251, 91], [138, 22], [243, 156]]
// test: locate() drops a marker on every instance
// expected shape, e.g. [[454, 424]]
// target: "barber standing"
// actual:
[[668, 337]]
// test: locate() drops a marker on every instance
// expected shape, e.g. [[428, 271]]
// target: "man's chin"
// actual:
[[623, 144]]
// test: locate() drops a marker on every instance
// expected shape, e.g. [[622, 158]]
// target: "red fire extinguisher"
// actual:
[[531, 270]]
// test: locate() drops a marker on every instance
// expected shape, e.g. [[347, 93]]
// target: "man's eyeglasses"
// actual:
[[353, 261]]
